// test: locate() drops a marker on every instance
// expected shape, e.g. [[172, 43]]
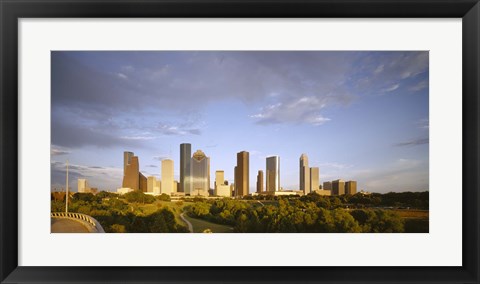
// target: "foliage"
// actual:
[[163, 197], [138, 196]]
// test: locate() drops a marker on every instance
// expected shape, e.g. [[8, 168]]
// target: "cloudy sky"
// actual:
[[357, 115]]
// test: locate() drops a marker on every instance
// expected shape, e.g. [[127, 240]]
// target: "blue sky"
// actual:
[[357, 115]]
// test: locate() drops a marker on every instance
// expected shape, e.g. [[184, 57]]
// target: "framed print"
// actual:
[[239, 142]]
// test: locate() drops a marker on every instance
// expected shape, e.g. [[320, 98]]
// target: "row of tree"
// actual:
[[297, 216], [122, 214]]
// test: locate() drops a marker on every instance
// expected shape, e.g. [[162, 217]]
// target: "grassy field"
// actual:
[[177, 208], [200, 225], [417, 214]]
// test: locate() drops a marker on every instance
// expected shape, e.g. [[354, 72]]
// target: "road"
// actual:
[[59, 225], [190, 227]]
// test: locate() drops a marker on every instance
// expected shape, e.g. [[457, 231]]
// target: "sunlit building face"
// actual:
[[273, 174], [200, 165]]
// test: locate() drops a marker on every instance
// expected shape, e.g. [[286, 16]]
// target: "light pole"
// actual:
[[66, 195]]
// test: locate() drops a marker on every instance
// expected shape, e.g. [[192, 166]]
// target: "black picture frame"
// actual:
[[12, 10]]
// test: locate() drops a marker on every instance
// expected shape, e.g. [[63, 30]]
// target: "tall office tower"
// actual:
[[304, 174], [314, 179], [199, 164], [221, 186], [273, 174], [260, 181], [185, 182], [327, 185], [151, 183], [338, 187], [208, 171], [82, 186], [131, 176], [351, 187], [127, 158], [243, 178], [235, 181], [142, 182], [167, 176]]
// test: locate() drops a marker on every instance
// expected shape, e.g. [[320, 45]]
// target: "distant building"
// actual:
[[314, 179], [304, 174], [127, 158], [175, 186], [243, 178], [323, 192], [338, 187], [260, 181], [131, 176], [151, 183], [273, 174], [327, 185], [167, 176], [82, 186], [221, 186], [157, 189], [200, 174], [185, 183], [351, 187], [235, 181], [124, 190], [143, 182]]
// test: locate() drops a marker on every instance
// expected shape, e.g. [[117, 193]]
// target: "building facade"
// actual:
[[351, 187], [273, 174], [242, 184], [131, 176], [185, 183], [260, 181], [314, 179], [338, 187], [221, 187], [327, 185], [304, 175], [127, 158], [200, 175], [151, 183], [167, 177], [82, 186]]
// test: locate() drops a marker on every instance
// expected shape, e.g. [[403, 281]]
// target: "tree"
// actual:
[[117, 228]]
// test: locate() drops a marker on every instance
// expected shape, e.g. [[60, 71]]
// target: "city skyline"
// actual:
[[353, 129]]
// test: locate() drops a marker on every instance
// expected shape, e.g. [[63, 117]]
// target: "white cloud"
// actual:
[[301, 110], [121, 75], [419, 86], [58, 151], [391, 88]]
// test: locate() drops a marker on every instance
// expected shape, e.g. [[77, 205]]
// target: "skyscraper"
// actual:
[[127, 158], [167, 176], [235, 181], [260, 181], [243, 178], [338, 187], [200, 177], [314, 178], [185, 183], [131, 175], [351, 187], [273, 174], [82, 186], [304, 174]]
